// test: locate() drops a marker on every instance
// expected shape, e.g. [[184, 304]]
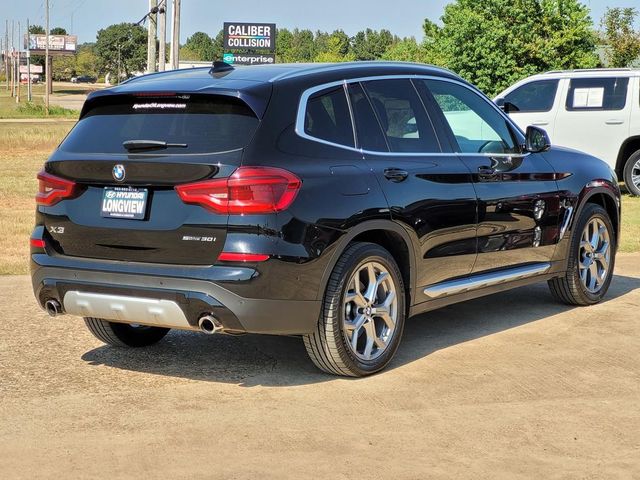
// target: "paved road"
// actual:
[[510, 386]]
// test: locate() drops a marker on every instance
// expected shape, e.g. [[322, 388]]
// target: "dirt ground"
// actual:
[[508, 386]]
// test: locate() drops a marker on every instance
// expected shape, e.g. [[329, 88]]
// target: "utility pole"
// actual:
[[18, 68], [28, 63], [162, 33], [175, 35], [151, 37], [6, 51], [13, 59], [47, 61]]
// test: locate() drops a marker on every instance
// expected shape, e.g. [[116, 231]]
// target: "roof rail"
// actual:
[[592, 70]]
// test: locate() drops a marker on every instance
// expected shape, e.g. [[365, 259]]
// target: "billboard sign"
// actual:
[[58, 44], [249, 58], [250, 36]]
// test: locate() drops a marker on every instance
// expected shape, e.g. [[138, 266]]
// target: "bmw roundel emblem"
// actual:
[[118, 173]]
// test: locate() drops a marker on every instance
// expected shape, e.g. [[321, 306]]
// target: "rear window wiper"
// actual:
[[150, 144]]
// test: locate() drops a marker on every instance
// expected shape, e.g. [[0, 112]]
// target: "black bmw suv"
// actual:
[[326, 201]]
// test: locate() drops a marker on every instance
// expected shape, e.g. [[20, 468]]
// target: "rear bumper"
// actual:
[[194, 296]]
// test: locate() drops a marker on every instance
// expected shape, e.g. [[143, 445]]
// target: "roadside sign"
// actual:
[[58, 44], [34, 69], [249, 58], [250, 36]]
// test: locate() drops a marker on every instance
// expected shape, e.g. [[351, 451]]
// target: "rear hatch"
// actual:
[[122, 161]]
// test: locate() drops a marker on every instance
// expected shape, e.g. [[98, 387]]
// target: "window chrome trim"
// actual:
[[304, 98]]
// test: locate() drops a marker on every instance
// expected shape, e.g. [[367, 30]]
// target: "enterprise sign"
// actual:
[[250, 36]]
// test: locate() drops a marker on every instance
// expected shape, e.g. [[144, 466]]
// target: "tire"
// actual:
[[631, 170], [124, 335], [332, 346], [571, 289]]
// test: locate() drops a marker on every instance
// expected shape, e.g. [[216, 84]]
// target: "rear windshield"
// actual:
[[205, 123]]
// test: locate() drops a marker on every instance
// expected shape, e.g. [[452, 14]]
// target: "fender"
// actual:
[[596, 187], [339, 247]]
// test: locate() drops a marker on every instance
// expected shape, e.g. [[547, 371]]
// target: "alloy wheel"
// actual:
[[595, 255], [370, 311], [635, 174]]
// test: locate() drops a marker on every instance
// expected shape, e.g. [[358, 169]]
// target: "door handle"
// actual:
[[614, 121], [396, 175], [487, 173], [540, 123]]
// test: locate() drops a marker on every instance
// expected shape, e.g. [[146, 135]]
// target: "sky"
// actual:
[[401, 17]]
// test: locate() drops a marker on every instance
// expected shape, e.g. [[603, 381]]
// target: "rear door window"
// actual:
[[205, 123], [327, 117], [537, 96], [402, 116], [597, 93], [369, 132]]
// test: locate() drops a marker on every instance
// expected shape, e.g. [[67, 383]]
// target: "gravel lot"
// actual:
[[511, 386]]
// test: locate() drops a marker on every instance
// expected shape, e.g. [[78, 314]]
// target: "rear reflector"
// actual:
[[52, 189], [250, 190], [242, 257], [37, 242]]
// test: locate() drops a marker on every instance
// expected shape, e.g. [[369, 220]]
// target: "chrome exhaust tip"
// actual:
[[53, 307], [209, 324]]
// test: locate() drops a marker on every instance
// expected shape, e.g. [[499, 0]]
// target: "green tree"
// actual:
[[494, 43], [406, 50], [333, 47], [86, 60], [36, 29], [303, 47], [63, 67], [284, 42], [57, 31], [199, 46], [621, 39], [371, 44], [121, 48]]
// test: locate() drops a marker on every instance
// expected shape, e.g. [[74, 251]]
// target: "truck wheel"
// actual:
[[123, 334], [591, 259], [363, 314], [632, 174]]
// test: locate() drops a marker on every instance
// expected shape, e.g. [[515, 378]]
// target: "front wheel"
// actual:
[[591, 259], [632, 174], [363, 314], [124, 335]]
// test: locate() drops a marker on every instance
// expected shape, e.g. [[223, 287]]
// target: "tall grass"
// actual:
[[39, 138], [30, 109]]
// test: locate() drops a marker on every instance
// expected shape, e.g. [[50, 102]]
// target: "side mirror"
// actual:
[[506, 107], [536, 140]]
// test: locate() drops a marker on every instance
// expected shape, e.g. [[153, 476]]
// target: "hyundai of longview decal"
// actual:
[[251, 36]]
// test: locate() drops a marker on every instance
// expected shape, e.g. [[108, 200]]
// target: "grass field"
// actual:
[[25, 146], [35, 109], [23, 149]]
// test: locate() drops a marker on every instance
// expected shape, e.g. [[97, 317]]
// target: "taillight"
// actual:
[[250, 190], [52, 189]]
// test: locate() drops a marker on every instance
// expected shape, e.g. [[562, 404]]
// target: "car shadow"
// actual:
[[252, 360]]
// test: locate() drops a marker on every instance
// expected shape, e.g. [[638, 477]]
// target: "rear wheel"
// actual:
[[123, 334], [632, 174], [591, 259], [363, 314]]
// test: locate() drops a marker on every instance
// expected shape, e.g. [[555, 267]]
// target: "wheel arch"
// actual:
[[389, 235], [604, 195], [628, 148]]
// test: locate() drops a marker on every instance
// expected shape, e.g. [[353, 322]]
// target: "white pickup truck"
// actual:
[[596, 111]]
